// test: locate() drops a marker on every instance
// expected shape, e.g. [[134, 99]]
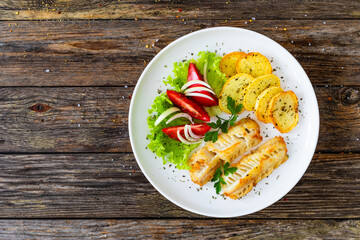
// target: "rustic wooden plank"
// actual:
[[179, 229], [112, 53], [150, 9], [112, 186], [79, 119], [95, 119]]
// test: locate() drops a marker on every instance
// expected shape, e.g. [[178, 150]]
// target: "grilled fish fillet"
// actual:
[[254, 167], [240, 138]]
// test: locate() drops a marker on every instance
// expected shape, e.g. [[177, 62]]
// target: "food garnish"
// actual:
[[167, 112], [180, 115], [223, 124], [170, 151], [201, 93], [218, 179], [187, 133], [187, 105]]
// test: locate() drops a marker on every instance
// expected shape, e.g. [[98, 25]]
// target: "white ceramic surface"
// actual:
[[301, 141]]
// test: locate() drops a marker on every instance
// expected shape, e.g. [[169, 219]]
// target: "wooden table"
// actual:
[[67, 72]]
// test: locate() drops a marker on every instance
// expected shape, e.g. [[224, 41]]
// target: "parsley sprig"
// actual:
[[218, 179], [223, 124]]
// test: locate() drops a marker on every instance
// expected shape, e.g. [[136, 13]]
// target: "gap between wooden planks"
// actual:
[[112, 186], [179, 229], [113, 53], [150, 9]]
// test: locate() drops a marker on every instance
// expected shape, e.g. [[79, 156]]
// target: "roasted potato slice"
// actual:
[[228, 63], [235, 88], [262, 103], [254, 64], [283, 110], [257, 87]]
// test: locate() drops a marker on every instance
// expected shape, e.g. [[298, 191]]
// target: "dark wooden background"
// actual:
[[67, 71]]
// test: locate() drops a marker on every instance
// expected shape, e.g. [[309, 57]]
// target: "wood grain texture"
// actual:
[[179, 229], [150, 9], [113, 53], [78, 120], [95, 119], [113, 186]]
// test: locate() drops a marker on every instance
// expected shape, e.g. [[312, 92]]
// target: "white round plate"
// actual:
[[175, 184]]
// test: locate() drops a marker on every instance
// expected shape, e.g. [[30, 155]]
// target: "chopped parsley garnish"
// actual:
[[224, 124], [218, 179]]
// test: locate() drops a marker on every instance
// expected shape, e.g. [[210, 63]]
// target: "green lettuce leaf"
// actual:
[[179, 77], [170, 150], [215, 77]]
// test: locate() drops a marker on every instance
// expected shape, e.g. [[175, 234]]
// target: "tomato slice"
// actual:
[[187, 105], [194, 74], [199, 129]]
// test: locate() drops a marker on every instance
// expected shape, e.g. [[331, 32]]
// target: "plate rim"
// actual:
[[141, 78]]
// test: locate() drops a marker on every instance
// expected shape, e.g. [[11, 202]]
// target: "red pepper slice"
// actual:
[[199, 129], [187, 105], [194, 74]]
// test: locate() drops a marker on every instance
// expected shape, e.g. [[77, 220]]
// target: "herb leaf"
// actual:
[[218, 179], [223, 124], [222, 180], [231, 105], [211, 136], [228, 169], [232, 120], [212, 125], [224, 127], [217, 186], [217, 175]]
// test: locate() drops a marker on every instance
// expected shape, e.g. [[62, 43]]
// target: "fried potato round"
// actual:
[[254, 64]]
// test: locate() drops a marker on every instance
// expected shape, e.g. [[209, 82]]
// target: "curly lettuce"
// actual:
[[215, 77], [169, 150]]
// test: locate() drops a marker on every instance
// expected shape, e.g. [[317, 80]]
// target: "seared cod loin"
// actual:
[[254, 167], [244, 135]]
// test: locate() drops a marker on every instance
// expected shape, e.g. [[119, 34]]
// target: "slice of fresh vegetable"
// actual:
[[193, 82], [193, 135], [205, 71], [196, 94], [187, 135], [194, 74], [165, 114], [183, 140], [194, 89], [199, 129], [188, 106], [180, 115]]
